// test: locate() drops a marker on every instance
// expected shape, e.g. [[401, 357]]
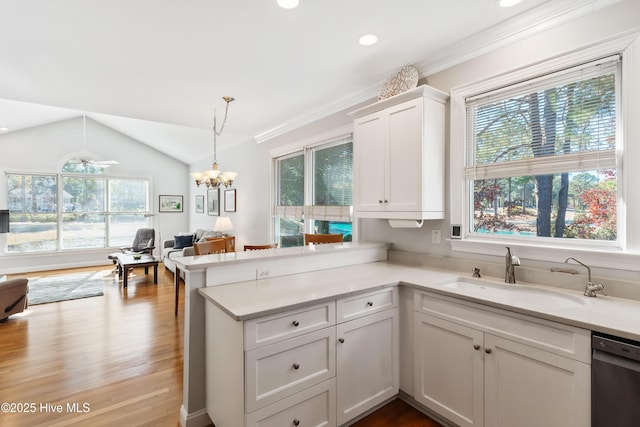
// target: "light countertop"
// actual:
[[246, 300], [201, 262]]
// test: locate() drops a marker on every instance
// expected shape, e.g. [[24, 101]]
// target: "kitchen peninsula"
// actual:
[[257, 319]]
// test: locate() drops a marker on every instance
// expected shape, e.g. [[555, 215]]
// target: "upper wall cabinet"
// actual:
[[399, 156]]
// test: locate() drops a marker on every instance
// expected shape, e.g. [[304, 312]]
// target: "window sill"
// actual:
[[613, 258]]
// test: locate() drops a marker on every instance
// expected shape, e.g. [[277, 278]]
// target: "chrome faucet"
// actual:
[[511, 262], [591, 288]]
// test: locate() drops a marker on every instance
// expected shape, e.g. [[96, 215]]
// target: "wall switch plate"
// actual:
[[436, 236]]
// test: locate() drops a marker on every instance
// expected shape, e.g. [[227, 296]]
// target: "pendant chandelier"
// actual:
[[213, 178]]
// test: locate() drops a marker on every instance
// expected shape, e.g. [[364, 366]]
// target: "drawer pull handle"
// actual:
[[296, 366], [487, 350], [476, 347], [296, 323], [296, 422], [370, 303], [341, 340]]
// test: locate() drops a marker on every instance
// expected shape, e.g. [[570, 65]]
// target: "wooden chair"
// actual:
[[322, 238], [213, 246], [260, 247], [230, 241]]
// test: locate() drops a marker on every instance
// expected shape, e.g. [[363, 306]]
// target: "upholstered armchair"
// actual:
[[13, 297], [143, 242]]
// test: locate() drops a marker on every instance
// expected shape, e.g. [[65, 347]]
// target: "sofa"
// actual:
[[182, 245], [13, 297]]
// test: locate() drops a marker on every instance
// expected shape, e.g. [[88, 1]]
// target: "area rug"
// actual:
[[64, 287]]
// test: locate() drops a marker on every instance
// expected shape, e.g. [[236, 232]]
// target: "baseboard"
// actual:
[[409, 400], [370, 411], [195, 419]]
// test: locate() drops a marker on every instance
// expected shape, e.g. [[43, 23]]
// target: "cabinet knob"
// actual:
[[296, 323], [386, 201], [380, 201], [487, 350], [370, 303], [296, 366], [476, 347], [341, 340], [296, 422]]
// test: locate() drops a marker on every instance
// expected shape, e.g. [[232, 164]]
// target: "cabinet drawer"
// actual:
[[293, 323], [313, 407], [363, 304], [282, 369], [554, 337]]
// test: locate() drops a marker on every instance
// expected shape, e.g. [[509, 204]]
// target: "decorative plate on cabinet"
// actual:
[[405, 79]]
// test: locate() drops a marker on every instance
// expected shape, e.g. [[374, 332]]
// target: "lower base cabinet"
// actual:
[[315, 366], [367, 367], [486, 368]]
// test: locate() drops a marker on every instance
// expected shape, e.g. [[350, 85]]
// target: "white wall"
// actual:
[[251, 221], [45, 149]]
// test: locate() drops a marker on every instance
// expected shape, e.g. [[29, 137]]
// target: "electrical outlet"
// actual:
[[436, 236], [262, 273]]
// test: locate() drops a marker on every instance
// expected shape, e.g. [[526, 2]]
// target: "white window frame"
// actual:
[[332, 138], [60, 211], [624, 254]]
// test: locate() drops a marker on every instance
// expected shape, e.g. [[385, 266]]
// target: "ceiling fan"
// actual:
[[86, 161]]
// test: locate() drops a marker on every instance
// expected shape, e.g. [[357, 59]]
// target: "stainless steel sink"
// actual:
[[514, 294]]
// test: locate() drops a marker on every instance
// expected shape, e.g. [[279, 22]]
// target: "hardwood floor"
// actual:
[[119, 357], [396, 413], [113, 360]]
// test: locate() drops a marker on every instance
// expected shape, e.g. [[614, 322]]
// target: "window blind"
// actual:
[[565, 121], [332, 167], [290, 186]]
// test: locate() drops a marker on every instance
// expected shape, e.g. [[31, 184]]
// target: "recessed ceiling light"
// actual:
[[508, 3], [4, 129], [288, 4], [368, 39]]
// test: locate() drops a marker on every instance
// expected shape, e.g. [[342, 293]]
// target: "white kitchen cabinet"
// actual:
[[399, 156], [477, 366], [449, 369], [312, 407], [286, 368], [367, 357]]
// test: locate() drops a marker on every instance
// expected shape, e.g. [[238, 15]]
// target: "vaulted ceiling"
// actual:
[[157, 69]]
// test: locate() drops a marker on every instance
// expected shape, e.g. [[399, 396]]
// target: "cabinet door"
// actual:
[[448, 365], [367, 363], [526, 386], [370, 139], [404, 157]]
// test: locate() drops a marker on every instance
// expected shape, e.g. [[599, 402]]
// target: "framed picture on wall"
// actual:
[[199, 204], [170, 203], [213, 202], [230, 200]]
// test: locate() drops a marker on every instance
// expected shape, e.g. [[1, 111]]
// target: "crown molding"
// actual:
[[548, 15], [545, 16], [346, 102]]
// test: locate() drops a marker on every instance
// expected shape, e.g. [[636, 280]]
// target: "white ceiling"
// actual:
[[156, 69]]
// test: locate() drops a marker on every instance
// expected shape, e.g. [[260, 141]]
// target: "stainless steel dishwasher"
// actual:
[[615, 381]]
